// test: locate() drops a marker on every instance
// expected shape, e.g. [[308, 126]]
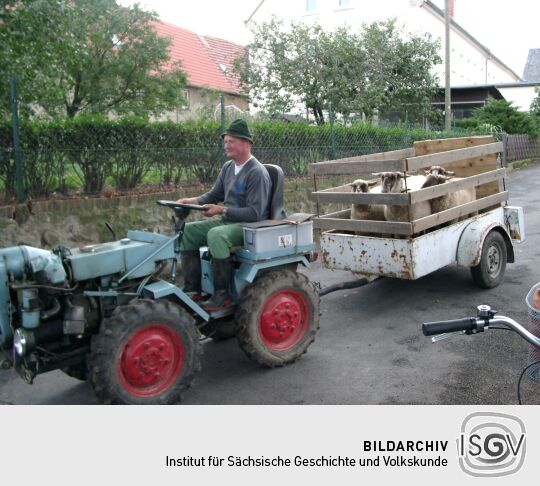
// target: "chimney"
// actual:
[[451, 8]]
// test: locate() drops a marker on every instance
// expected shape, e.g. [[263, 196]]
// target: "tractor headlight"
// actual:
[[20, 342]]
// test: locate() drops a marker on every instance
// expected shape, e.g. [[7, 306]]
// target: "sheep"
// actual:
[[451, 199], [371, 212], [394, 182]]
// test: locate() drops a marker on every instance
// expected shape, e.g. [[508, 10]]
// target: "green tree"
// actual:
[[357, 72], [504, 114], [94, 56], [535, 106]]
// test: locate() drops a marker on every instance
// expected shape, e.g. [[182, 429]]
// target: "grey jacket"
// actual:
[[246, 195]]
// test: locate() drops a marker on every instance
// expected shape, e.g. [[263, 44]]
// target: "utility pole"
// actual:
[[447, 92]]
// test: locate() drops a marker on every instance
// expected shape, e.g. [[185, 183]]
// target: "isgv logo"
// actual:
[[491, 444]]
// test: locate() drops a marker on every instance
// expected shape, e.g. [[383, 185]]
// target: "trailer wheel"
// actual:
[[147, 352], [490, 271], [277, 318]]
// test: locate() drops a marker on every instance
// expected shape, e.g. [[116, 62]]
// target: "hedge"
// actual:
[[123, 152]]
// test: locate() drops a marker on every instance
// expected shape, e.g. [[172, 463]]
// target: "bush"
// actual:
[[126, 151], [501, 115]]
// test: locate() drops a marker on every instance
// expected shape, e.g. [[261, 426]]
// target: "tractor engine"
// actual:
[[52, 302], [37, 316]]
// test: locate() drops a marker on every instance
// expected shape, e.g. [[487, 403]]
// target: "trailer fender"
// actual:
[[470, 244]]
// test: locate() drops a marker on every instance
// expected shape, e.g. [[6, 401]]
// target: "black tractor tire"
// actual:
[[219, 330], [277, 318], [146, 353], [78, 371], [490, 271]]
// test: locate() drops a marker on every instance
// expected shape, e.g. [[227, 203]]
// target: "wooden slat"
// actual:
[[343, 188], [364, 226], [453, 186], [346, 187], [343, 214], [390, 155], [356, 167], [454, 213], [424, 147], [444, 158], [361, 198]]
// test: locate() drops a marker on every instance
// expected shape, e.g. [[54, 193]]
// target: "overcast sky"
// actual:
[[509, 28]]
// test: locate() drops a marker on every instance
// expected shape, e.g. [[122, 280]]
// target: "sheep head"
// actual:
[[435, 180], [438, 170], [391, 181], [360, 185]]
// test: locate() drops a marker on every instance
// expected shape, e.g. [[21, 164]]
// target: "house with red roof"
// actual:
[[208, 64]]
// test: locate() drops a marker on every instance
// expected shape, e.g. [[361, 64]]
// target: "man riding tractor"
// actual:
[[244, 188]]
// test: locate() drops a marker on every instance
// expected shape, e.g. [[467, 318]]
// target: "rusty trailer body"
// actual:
[[478, 234]]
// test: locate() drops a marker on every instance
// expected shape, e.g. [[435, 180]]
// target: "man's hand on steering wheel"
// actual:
[[213, 210], [188, 200]]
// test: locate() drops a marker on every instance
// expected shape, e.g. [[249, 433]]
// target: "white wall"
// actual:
[[469, 65], [521, 97]]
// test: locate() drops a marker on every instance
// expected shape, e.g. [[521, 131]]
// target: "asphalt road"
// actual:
[[370, 349]]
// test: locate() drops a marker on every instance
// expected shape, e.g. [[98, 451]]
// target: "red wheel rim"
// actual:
[[284, 320], [151, 360]]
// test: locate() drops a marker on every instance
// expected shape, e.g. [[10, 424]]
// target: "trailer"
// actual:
[[478, 234]]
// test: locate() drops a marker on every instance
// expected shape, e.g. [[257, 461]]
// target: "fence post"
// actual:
[[332, 132], [16, 141], [505, 148], [221, 143]]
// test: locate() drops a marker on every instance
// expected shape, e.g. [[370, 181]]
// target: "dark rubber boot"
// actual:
[[222, 270], [191, 268]]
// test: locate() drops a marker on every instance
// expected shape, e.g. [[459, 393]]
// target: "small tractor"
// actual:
[[107, 314]]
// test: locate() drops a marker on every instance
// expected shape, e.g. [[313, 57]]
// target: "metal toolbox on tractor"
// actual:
[[285, 235]]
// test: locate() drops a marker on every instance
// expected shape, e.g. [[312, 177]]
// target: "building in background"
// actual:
[[208, 64], [477, 74]]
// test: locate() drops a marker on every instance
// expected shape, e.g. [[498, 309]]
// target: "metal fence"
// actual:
[[39, 159]]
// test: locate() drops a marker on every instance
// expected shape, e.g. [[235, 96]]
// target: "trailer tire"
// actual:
[[277, 318], [147, 352], [490, 271]]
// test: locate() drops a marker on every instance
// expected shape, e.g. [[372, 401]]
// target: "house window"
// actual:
[[311, 5], [185, 105]]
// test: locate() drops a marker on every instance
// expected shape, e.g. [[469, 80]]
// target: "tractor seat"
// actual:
[[277, 211]]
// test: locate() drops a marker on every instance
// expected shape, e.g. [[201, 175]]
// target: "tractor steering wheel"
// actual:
[[181, 210]]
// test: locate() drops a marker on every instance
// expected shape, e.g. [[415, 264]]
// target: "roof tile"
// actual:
[[202, 57]]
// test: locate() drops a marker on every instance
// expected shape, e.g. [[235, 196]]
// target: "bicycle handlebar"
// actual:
[[455, 325], [473, 325]]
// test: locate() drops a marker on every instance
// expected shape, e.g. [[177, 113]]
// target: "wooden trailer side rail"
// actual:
[[453, 186], [477, 151], [362, 198], [458, 211], [336, 221], [364, 226], [443, 158]]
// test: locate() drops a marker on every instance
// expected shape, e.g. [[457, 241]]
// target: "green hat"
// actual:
[[238, 129]]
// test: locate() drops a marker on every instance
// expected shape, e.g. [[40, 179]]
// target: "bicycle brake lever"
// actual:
[[446, 335]]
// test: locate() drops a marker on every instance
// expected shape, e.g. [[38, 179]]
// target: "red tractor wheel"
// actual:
[[277, 318], [147, 352]]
